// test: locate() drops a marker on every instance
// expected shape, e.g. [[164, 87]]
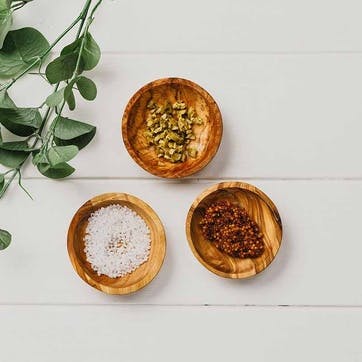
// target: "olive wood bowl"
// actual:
[[208, 136], [140, 277], [259, 207]]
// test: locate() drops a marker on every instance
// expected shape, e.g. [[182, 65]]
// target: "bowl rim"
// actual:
[[81, 272], [221, 186], [164, 81]]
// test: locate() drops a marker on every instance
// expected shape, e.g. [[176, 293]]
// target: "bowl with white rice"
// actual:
[[116, 243]]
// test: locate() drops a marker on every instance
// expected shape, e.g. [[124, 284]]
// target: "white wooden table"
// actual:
[[287, 76]]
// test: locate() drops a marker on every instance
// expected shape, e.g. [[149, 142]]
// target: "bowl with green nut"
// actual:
[[234, 230], [172, 127]]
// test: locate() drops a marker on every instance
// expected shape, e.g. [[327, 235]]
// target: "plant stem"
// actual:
[[81, 26], [8, 182], [95, 8], [76, 71], [19, 4], [23, 188], [17, 170]]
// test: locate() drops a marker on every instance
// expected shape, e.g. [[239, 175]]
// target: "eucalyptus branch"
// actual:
[[59, 142], [17, 171], [22, 186], [87, 21], [39, 59]]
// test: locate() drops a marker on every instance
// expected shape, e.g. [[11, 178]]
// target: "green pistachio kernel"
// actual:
[[169, 129]]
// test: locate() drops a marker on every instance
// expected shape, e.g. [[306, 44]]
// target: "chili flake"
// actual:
[[232, 230]]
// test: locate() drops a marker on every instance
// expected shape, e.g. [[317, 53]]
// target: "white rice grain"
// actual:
[[117, 241]]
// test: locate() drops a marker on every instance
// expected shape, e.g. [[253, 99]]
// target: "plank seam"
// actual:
[[227, 52], [197, 179], [246, 306]]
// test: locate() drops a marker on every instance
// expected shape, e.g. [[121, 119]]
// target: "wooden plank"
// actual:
[[138, 333], [211, 25], [318, 264], [284, 116]]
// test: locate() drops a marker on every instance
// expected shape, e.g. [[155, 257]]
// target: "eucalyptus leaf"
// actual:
[[71, 100], [5, 100], [91, 51], [73, 47], [69, 88], [5, 20], [59, 154], [20, 121], [21, 47], [60, 95], [61, 170], [12, 159], [16, 146], [5, 239], [39, 157], [61, 68], [55, 98], [71, 132], [5, 4], [87, 88]]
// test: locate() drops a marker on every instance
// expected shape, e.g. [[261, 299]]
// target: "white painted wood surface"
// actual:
[[277, 109], [309, 269], [144, 333], [288, 78]]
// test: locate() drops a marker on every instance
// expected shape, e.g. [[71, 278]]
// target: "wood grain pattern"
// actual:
[[208, 136], [143, 274], [260, 208]]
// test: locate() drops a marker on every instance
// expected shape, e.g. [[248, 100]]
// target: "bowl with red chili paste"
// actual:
[[234, 229]]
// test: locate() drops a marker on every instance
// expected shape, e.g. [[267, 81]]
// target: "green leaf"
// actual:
[[5, 20], [21, 47], [39, 157], [5, 100], [87, 88], [72, 47], [67, 129], [2, 181], [61, 68], [5, 239], [69, 94], [59, 154], [12, 159], [12, 154], [64, 93], [61, 170], [71, 100], [91, 52], [70, 132], [55, 98], [20, 121], [16, 146]]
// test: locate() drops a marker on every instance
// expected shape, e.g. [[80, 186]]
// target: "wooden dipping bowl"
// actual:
[[143, 274], [260, 208], [208, 135]]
